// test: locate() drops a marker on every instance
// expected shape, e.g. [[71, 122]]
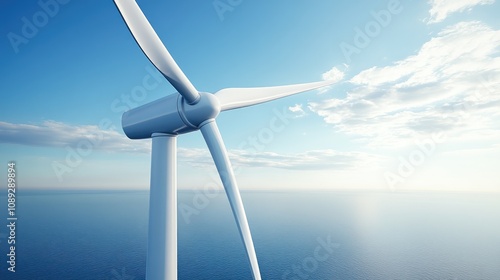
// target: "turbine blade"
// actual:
[[233, 98], [216, 146], [153, 48]]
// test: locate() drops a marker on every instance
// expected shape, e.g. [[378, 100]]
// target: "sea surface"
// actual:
[[297, 235]]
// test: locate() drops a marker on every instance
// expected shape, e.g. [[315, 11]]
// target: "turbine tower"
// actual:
[[166, 118]]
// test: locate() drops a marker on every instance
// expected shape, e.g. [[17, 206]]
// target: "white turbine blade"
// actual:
[[216, 146], [233, 98], [151, 45]]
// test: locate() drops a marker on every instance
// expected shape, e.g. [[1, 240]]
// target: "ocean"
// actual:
[[297, 235]]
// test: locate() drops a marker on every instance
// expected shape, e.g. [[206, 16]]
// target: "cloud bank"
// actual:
[[60, 135], [310, 160], [450, 85]]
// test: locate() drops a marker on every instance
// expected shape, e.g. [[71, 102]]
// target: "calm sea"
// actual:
[[297, 235]]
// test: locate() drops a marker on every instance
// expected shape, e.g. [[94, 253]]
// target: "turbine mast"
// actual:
[[162, 231]]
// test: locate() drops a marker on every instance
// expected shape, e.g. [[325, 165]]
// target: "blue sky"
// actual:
[[415, 105]]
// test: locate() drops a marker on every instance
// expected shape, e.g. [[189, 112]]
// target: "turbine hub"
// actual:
[[206, 108]]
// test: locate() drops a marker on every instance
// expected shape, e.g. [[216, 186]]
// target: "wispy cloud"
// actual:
[[441, 9], [451, 85], [310, 160], [297, 110], [333, 74], [58, 134]]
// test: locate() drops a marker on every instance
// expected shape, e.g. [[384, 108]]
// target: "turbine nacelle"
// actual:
[[170, 115]]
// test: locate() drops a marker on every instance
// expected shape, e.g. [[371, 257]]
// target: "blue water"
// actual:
[[367, 236]]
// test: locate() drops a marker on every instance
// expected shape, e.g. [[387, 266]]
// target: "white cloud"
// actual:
[[333, 74], [57, 134], [441, 9], [297, 110], [451, 85], [310, 160]]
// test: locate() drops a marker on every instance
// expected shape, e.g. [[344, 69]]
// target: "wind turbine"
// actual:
[[166, 118]]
